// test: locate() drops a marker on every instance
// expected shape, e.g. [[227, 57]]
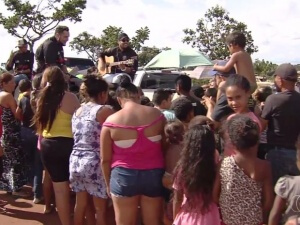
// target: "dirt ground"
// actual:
[[20, 211]]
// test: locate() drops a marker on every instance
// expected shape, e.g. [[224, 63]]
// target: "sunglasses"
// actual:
[[125, 40]]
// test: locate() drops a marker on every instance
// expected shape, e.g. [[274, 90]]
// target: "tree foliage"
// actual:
[[264, 68], [91, 45], [211, 31], [33, 19]]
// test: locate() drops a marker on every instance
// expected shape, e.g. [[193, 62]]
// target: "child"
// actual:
[[244, 183], [287, 189], [162, 100], [211, 93], [30, 139], [174, 131], [183, 109], [195, 175], [237, 90], [240, 59]]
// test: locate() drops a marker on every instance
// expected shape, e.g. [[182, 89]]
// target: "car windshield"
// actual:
[[159, 80], [82, 64]]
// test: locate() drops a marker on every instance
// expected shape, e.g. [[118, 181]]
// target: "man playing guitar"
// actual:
[[122, 52]]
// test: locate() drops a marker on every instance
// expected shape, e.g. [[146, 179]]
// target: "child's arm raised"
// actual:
[[229, 64], [267, 195]]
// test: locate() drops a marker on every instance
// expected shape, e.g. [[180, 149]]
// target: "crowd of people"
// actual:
[[227, 154]]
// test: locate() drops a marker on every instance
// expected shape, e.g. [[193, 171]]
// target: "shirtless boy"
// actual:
[[240, 59]]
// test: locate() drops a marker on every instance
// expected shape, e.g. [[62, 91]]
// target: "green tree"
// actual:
[[88, 44], [264, 68], [32, 21], [211, 31], [91, 45]]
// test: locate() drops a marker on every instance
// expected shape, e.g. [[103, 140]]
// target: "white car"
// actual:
[[150, 80]]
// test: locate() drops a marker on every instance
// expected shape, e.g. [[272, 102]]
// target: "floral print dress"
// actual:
[[85, 171], [14, 166]]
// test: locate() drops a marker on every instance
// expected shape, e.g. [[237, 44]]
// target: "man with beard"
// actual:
[[282, 115], [21, 62], [122, 52], [51, 53]]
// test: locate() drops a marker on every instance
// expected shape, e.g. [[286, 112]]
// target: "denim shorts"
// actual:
[[130, 182]]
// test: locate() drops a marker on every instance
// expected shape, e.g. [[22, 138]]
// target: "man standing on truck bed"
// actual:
[[51, 53], [120, 53]]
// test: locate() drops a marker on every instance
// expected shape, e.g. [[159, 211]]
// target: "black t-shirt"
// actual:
[[282, 110], [199, 109], [50, 53], [27, 112], [22, 61], [124, 55]]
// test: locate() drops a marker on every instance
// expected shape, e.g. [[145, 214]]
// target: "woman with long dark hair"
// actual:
[[14, 169], [52, 119], [132, 158]]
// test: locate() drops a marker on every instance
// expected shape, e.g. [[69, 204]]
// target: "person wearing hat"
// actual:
[[281, 114], [21, 62], [122, 52]]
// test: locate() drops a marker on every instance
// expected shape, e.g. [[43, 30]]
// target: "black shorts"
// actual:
[[55, 153]]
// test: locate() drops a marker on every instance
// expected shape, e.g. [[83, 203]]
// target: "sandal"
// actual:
[[48, 210]]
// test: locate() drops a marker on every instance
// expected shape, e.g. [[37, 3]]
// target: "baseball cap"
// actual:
[[122, 35], [21, 42], [224, 74], [287, 72]]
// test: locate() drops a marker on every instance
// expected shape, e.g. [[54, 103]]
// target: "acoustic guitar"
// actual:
[[110, 62]]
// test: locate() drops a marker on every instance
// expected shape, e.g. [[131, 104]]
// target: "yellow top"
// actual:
[[61, 127], [21, 96]]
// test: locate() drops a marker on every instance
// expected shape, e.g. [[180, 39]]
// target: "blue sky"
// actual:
[[274, 23]]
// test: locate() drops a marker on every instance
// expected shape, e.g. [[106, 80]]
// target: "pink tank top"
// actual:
[[144, 154]]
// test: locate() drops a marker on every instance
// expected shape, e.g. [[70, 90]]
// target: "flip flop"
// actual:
[[49, 210]]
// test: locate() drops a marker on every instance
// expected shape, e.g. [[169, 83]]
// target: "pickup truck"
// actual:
[[150, 80]]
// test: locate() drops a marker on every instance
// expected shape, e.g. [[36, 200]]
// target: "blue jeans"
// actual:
[[20, 77], [283, 162], [131, 182], [33, 158]]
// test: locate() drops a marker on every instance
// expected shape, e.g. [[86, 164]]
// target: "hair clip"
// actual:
[[48, 84]]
